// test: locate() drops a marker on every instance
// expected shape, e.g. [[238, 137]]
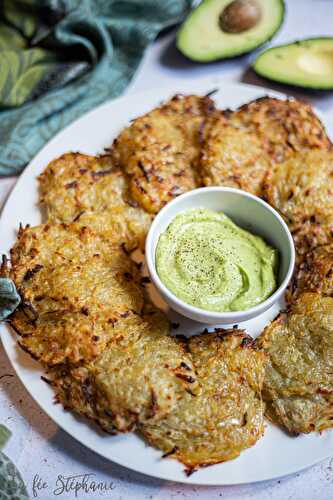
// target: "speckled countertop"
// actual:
[[38, 447]]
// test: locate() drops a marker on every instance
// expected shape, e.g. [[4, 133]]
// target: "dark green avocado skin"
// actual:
[[245, 49], [307, 83]]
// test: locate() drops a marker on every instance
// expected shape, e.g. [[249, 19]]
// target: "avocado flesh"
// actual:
[[201, 38], [306, 63]]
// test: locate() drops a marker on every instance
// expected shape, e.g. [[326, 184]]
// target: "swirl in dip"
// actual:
[[209, 262]]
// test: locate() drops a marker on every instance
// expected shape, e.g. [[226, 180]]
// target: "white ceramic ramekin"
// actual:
[[249, 212]]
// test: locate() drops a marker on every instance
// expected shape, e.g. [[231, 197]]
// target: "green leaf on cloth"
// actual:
[[21, 72], [19, 15], [9, 298], [12, 486], [10, 38], [67, 56]]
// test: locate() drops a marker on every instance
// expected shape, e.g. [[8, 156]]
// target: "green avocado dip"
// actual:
[[209, 262]]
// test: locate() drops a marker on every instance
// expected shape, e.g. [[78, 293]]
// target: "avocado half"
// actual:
[[305, 63], [202, 38]]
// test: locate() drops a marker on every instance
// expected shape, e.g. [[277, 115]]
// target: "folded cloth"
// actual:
[[60, 58]]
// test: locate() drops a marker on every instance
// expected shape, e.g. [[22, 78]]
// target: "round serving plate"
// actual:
[[276, 454]]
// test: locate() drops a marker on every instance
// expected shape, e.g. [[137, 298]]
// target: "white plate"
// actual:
[[276, 454]]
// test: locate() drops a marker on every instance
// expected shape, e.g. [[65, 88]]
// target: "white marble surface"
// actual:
[[37, 445]]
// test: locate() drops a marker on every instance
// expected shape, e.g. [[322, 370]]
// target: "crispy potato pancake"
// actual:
[[283, 126], [140, 377], [314, 274], [227, 415], [160, 151], [232, 157], [76, 183], [298, 386], [73, 287], [90, 190], [301, 189]]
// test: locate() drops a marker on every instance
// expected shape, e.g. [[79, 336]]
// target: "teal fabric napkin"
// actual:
[[60, 58]]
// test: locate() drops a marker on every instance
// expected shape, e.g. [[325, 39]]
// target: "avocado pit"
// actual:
[[239, 16]]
